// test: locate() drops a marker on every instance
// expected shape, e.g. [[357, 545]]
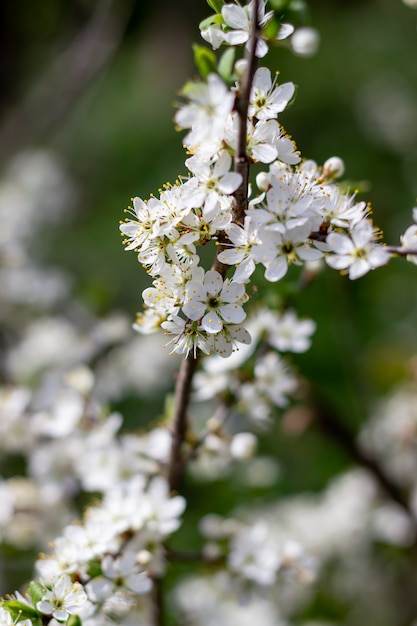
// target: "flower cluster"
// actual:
[[300, 214], [98, 568]]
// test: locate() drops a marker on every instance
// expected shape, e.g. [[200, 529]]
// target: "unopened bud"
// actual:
[[240, 68], [243, 446], [305, 41], [333, 167], [81, 379], [263, 181]]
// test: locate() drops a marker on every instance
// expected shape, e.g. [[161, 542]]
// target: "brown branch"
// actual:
[[180, 421], [400, 251], [186, 556], [157, 603], [332, 426], [242, 163]]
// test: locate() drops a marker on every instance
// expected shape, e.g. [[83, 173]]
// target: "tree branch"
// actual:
[[180, 422], [242, 162], [333, 427]]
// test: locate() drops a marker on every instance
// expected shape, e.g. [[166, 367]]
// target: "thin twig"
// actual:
[[242, 162], [157, 603], [180, 422], [400, 251], [187, 556], [332, 426]]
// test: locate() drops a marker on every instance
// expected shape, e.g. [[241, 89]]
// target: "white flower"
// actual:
[[239, 19], [305, 41], [288, 333], [215, 178], [273, 379], [267, 100], [251, 245], [214, 302], [254, 555], [126, 572], [243, 446], [206, 114], [164, 511], [409, 242], [188, 336], [358, 254], [291, 247], [64, 599]]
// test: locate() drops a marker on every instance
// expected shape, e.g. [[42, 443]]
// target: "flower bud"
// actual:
[[240, 68], [305, 41], [263, 181], [81, 379], [243, 446], [333, 167]]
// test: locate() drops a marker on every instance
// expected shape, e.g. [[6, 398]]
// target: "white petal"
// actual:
[[264, 153], [340, 243], [231, 256], [213, 282], [236, 37], [338, 262], [262, 79], [285, 31], [232, 313], [235, 16], [194, 309], [276, 269], [222, 165], [359, 268], [212, 322], [230, 182], [244, 271]]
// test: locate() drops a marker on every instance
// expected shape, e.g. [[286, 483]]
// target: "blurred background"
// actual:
[[87, 105]]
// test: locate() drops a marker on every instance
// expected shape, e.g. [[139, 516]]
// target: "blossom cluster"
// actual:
[[300, 214], [99, 567]]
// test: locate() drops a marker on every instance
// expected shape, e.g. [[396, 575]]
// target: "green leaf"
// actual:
[[36, 591], [94, 568], [271, 30], [20, 610], [74, 620], [225, 66], [205, 60], [279, 5], [209, 21], [216, 5]]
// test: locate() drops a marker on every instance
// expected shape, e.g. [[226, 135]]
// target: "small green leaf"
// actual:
[[36, 591], [216, 5], [205, 60], [94, 568], [20, 610], [279, 5], [74, 620], [225, 66], [271, 30], [209, 21]]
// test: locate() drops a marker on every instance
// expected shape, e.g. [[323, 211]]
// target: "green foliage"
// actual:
[[209, 21], [225, 66], [205, 60], [20, 611], [216, 5], [36, 591], [94, 568], [74, 620]]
